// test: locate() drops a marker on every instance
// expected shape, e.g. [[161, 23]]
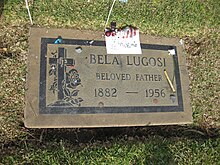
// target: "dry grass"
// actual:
[[204, 70]]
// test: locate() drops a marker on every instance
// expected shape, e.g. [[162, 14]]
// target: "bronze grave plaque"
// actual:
[[72, 82]]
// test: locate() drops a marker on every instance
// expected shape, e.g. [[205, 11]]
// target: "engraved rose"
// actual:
[[73, 79]]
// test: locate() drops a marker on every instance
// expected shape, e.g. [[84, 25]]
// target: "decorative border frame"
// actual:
[[43, 109]]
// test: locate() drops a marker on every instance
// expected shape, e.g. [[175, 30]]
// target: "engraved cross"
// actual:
[[61, 62]]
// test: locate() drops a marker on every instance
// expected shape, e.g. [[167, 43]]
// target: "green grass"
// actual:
[[196, 22], [155, 150], [157, 17], [116, 149]]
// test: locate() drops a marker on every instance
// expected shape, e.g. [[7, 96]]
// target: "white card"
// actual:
[[125, 41]]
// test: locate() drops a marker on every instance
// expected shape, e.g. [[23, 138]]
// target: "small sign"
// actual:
[[75, 83], [126, 41]]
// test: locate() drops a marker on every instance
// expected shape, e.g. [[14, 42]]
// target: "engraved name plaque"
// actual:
[[73, 82]]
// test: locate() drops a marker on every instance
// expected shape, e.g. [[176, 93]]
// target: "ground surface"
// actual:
[[196, 22]]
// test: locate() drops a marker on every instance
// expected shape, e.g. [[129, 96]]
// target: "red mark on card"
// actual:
[[108, 33], [131, 32], [127, 34]]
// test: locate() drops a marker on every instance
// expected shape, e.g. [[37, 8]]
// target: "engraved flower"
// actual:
[[73, 79]]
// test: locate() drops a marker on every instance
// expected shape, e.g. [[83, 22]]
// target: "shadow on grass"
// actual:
[[92, 135], [82, 142], [100, 134]]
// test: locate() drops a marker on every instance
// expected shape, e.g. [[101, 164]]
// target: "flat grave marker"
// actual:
[[73, 82]]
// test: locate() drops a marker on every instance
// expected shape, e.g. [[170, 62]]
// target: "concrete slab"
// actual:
[[72, 82]]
